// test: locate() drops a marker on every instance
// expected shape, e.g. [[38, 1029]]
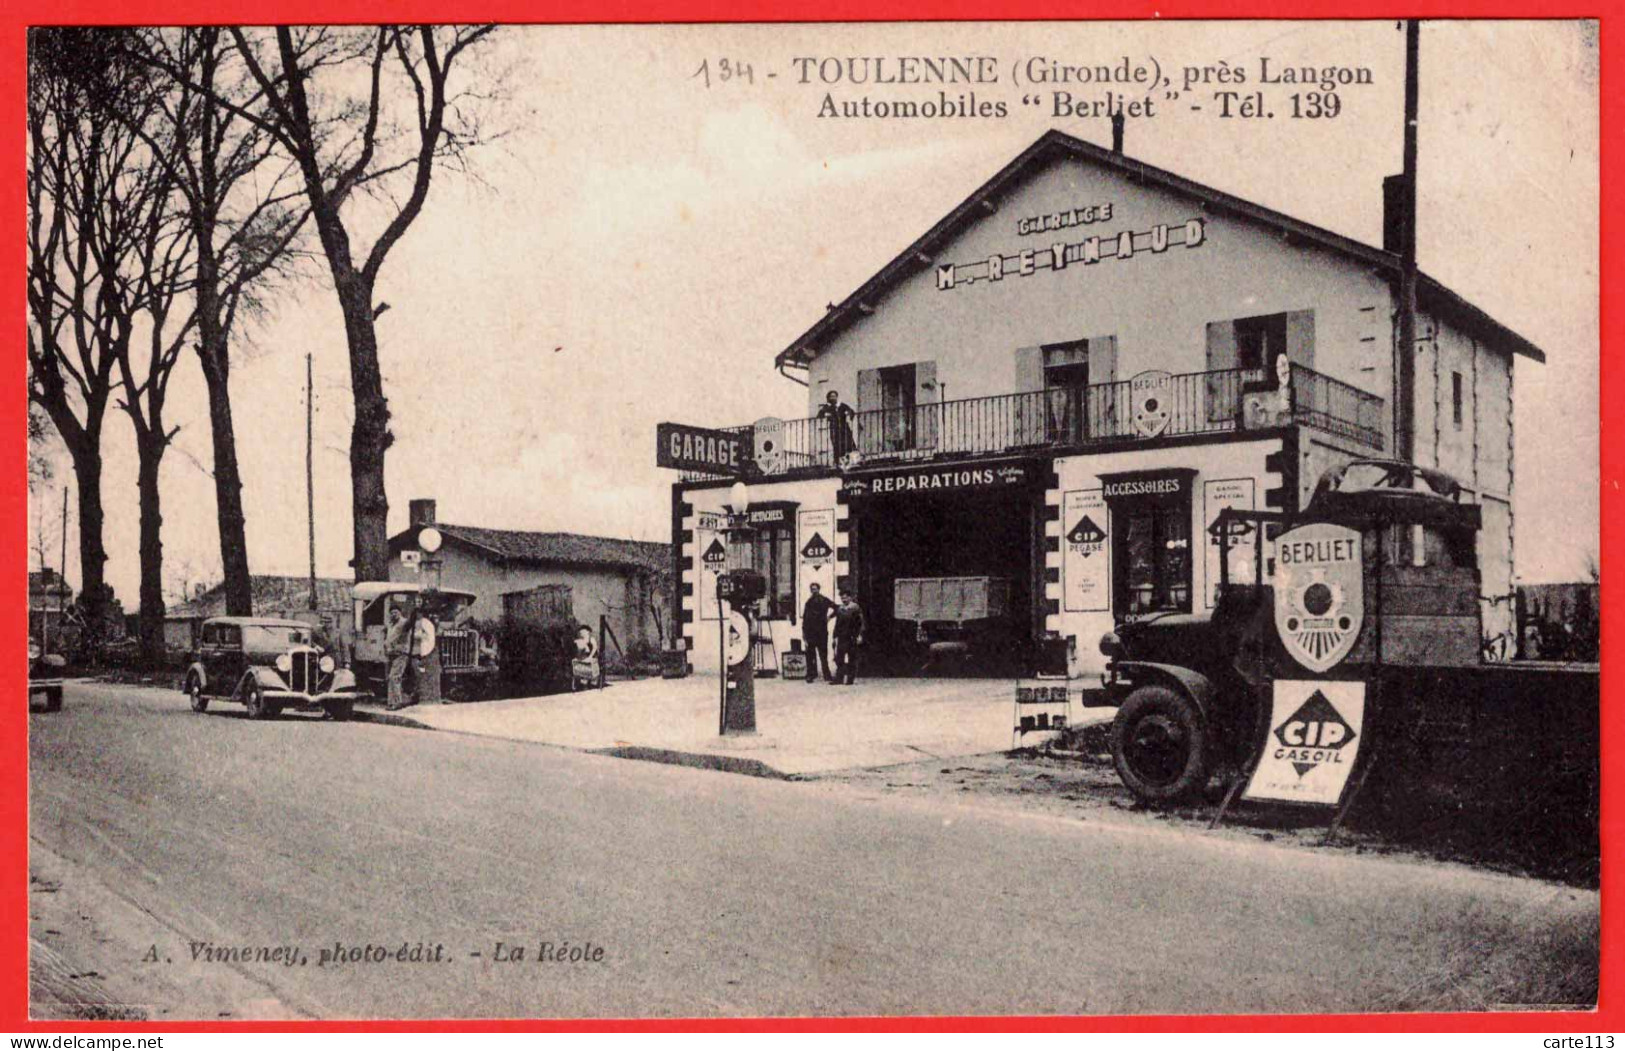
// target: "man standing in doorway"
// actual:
[[848, 637], [397, 645], [815, 633]]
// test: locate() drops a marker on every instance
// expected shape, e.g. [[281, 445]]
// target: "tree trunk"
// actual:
[[369, 437], [228, 483], [150, 455], [87, 471]]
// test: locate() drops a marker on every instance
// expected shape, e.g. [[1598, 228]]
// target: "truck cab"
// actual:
[[463, 672], [1189, 687]]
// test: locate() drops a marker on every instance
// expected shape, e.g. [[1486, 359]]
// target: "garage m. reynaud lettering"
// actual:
[[1059, 256]]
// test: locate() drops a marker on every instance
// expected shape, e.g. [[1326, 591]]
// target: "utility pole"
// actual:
[[1405, 358], [310, 471]]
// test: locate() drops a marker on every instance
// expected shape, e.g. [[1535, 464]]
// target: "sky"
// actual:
[[639, 246]]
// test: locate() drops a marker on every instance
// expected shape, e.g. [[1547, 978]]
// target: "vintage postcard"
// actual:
[[745, 520]]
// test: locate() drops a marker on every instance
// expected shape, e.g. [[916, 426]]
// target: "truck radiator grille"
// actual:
[[457, 649]]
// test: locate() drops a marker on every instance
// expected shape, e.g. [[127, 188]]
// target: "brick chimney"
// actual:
[[420, 513], [1117, 132]]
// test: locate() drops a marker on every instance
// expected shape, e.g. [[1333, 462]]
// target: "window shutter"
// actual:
[[927, 404], [1221, 345], [1103, 399], [1029, 415], [1221, 356], [1300, 338], [870, 418], [868, 390]]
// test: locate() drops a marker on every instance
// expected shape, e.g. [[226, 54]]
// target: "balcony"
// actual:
[[1081, 418]]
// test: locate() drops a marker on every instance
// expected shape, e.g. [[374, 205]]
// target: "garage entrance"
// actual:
[[911, 526]]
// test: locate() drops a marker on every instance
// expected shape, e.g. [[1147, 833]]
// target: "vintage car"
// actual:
[[267, 665], [45, 676]]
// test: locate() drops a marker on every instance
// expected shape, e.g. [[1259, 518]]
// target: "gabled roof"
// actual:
[[568, 549], [270, 593], [1055, 145]]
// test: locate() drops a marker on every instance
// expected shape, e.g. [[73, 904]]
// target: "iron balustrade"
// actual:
[[1079, 417]]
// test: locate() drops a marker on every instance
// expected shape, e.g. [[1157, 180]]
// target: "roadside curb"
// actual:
[[386, 718], [727, 764]]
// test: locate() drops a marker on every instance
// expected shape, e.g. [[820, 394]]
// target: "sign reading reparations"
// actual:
[[1314, 738], [1319, 597], [686, 448], [937, 479]]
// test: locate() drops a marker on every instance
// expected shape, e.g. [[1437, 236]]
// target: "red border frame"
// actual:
[[14, 500]]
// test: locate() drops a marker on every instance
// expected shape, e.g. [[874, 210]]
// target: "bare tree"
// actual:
[[348, 146], [236, 191], [77, 320], [159, 276], [39, 438]]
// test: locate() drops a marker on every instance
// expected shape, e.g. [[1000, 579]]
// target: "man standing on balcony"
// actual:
[[839, 416], [815, 633]]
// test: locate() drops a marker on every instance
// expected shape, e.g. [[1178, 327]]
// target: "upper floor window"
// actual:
[[898, 407], [1246, 350], [1259, 341], [1455, 398]]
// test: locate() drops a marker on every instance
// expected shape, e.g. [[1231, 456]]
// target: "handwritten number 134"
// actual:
[[725, 71]]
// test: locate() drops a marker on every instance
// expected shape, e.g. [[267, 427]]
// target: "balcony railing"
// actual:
[[1081, 417]]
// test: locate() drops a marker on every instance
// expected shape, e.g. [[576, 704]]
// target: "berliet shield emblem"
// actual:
[[1319, 600]]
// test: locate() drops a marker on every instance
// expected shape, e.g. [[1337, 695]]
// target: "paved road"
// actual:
[[711, 893]]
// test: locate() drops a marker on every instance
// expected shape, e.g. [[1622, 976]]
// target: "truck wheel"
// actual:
[[258, 707], [194, 691], [1160, 745], [53, 699]]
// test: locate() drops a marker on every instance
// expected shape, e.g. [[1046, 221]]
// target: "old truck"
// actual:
[[1375, 582], [958, 619], [467, 660]]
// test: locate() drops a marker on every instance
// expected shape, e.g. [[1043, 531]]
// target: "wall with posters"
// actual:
[[1151, 506], [815, 548]]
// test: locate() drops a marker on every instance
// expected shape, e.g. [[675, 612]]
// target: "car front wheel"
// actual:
[[53, 699], [1160, 745], [194, 692], [340, 711], [258, 707]]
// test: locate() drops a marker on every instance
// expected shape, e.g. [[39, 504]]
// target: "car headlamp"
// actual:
[[34, 650], [326, 663], [284, 663], [1111, 645]]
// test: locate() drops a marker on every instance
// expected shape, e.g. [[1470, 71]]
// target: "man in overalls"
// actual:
[[397, 644]]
